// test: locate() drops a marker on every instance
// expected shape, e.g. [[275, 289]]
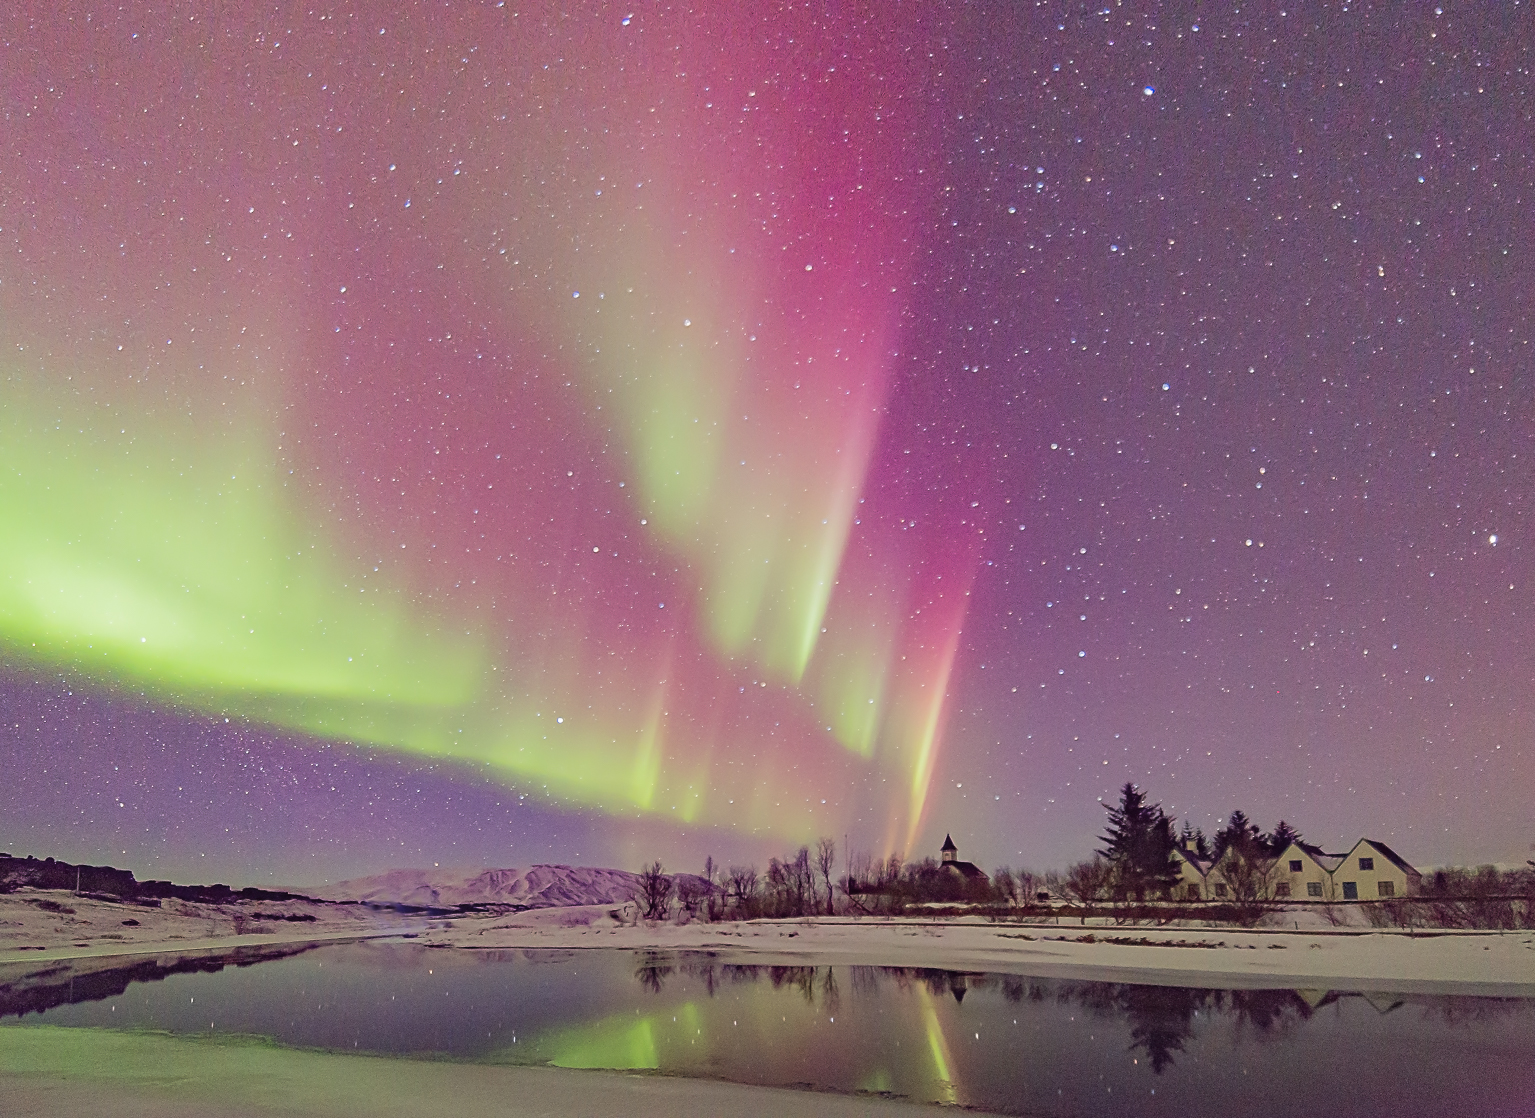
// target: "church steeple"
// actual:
[[950, 851]]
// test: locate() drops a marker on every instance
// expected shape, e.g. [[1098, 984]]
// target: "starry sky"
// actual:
[[499, 433]]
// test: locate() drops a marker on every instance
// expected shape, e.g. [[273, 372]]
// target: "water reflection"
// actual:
[[886, 1030], [1161, 1019], [999, 1042]]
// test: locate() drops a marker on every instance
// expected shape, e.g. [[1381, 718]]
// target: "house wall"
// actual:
[[1368, 881], [1190, 878], [1310, 873], [1222, 889]]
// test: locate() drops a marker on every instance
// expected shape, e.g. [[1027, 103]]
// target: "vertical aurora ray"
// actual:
[[746, 379], [918, 710], [528, 430], [938, 1050]]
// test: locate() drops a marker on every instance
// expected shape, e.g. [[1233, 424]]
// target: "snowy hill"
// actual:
[[534, 887]]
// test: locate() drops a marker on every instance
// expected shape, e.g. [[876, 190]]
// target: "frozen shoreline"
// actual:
[[1478, 963], [1473, 963], [46, 1069]]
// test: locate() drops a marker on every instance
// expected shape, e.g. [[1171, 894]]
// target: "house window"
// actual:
[[1387, 888], [1220, 890], [1313, 888], [1295, 865], [1283, 889], [1367, 863], [1192, 893], [1351, 890]]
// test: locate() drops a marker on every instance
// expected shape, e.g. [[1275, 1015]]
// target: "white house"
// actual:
[[1373, 871], [1193, 871], [1304, 873]]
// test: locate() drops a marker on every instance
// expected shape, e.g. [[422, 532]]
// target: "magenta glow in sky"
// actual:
[[732, 428]]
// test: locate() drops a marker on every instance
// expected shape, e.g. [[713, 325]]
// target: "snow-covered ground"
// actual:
[[33, 930], [1481, 962], [40, 924]]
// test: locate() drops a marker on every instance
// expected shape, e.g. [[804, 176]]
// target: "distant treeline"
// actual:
[[115, 884], [1131, 879], [1136, 864], [807, 883], [1486, 898]]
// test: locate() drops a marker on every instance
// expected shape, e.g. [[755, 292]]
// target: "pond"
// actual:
[[998, 1042]]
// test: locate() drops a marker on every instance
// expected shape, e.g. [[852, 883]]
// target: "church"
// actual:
[[968, 871]]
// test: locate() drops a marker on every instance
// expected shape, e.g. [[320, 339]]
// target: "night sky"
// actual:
[[503, 433]]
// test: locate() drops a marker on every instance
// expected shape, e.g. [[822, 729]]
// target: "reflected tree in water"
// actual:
[[1271, 1013], [1161, 1020], [796, 978], [864, 980], [653, 972], [831, 991]]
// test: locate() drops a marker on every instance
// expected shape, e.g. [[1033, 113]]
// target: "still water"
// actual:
[[996, 1042]]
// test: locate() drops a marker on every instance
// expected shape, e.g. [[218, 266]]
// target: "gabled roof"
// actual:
[[1259, 855], [968, 870], [1328, 862], [1386, 852], [1201, 864]]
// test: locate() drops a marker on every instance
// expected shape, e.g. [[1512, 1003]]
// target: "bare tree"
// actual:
[[1029, 884], [653, 892], [1089, 881], [690, 894], [802, 883], [713, 900], [742, 882], [825, 860], [1249, 873], [1331, 894], [1054, 883], [791, 884], [1005, 885]]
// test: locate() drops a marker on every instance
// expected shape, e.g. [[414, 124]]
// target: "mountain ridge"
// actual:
[[537, 886]]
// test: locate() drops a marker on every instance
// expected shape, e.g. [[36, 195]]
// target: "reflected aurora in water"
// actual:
[[994, 1041]]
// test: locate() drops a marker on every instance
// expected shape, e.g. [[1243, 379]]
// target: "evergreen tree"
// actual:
[[1127, 821], [1240, 832], [1139, 844], [1192, 839], [1282, 836]]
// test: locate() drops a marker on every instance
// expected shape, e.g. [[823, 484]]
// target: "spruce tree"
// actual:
[[1139, 844], [1281, 837], [1240, 832]]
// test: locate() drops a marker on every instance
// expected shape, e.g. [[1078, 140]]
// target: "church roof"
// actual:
[[948, 844], [967, 870]]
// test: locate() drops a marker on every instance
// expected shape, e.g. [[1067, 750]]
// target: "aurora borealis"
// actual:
[[504, 433]]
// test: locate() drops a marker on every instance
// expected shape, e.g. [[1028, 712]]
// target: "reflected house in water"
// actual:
[[1382, 1001]]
